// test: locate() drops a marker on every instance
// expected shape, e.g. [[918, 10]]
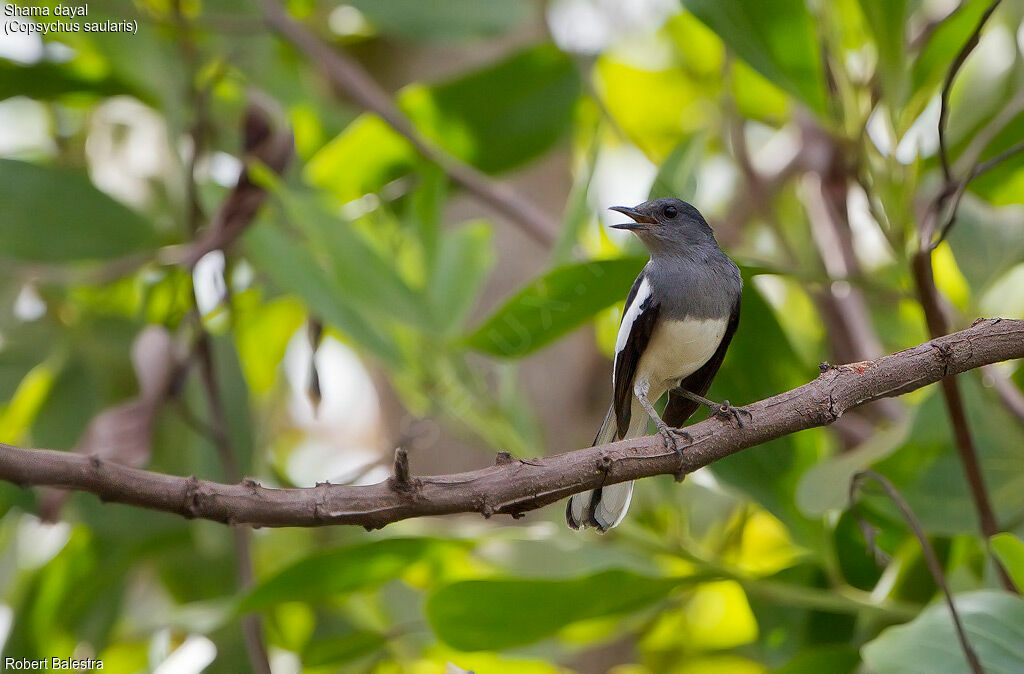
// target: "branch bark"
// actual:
[[522, 485], [350, 79]]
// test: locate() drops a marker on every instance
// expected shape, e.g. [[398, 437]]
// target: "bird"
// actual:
[[678, 321]]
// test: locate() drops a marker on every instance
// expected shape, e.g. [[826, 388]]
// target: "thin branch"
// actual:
[[947, 85], [960, 188], [931, 301], [522, 485], [929, 555], [1011, 396], [350, 79], [935, 317]]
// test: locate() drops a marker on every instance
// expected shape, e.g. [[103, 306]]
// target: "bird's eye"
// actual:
[[670, 212]]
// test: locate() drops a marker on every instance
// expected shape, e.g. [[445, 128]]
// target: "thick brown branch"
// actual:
[[521, 485], [350, 79]]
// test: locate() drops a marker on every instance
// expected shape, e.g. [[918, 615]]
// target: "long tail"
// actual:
[[602, 508]]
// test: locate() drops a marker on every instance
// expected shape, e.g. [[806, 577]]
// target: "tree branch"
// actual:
[[935, 317], [926, 549], [350, 79], [522, 485]]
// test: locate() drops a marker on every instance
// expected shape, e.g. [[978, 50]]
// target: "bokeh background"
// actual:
[[375, 301]]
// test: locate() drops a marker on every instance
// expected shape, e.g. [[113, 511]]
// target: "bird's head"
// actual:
[[667, 225]]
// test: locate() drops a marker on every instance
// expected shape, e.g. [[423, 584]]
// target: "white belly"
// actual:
[[678, 349]]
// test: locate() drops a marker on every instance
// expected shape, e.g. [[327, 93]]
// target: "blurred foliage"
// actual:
[[756, 565]]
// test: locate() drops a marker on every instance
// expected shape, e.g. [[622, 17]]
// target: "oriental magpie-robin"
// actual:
[[679, 318]]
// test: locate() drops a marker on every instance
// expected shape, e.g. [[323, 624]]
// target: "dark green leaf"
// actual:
[[465, 257], [496, 118], [340, 650], [832, 659], [577, 210], [47, 81], [932, 63], [325, 575], [994, 622], [502, 116], [57, 215], [776, 37], [362, 275], [23, 347], [888, 21], [294, 268], [554, 304], [677, 176], [928, 472], [441, 21], [493, 614]]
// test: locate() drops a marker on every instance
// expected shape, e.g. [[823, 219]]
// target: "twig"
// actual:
[[947, 85], [1011, 396], [517, 487], [929, 555], [237, 211], [931, 302], [960, 188], [349, 78], [935, 317]]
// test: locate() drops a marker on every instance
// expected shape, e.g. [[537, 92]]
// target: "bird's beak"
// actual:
[[640, 220]]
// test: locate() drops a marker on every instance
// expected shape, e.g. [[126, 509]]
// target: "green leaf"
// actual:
[[465, 257], [294, 269], [381, 154], [677, 176], [554, 304], [1010, 551], [495, 118], [494, 614], [776, 37], [425, 210], [57, 215], [932, 63], [24, 346], [340, 650], [46, 81], [324, 575], [577, 212], [363, 276], [838, 659], [888, 21], [448, 21], [502, 116], [993, 621], [928, 472]]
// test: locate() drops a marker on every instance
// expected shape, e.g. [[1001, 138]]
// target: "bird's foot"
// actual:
[[680, 433], [728, 411], [668, 435]]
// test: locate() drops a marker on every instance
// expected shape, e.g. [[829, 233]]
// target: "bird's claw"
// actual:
[[668, 435], [680, 433], [727, 410]]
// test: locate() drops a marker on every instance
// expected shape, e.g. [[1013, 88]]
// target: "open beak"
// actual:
[[640, 221]]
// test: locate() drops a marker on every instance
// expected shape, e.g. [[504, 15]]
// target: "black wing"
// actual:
[[627, 360], [679, 409]]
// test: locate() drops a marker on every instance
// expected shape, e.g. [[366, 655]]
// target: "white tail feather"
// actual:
[[603, 508]]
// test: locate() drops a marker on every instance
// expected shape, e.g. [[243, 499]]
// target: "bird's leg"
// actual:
[[721, 409], [667, 433]]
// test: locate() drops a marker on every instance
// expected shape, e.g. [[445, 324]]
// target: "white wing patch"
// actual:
[[632, 313]]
